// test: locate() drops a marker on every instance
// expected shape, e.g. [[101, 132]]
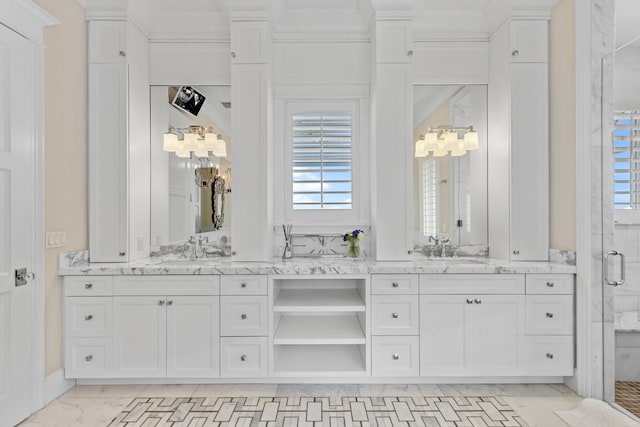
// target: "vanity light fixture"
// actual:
[[195, 139], [444, 139]]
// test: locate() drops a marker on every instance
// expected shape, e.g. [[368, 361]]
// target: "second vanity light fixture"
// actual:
[[444, 139], [195, 139]]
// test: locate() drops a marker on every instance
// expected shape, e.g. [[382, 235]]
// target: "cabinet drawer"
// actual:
[[88, 358], [243, 316], [88, 317], [549, 314], [550, 284], [471, 284], [84, 286], [548, 355], [243, 285], [395, 356], [243, 357], [394, 284], [394, 315], [166, 285]]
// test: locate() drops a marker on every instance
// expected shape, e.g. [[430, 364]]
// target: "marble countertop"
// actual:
[[77, 264]]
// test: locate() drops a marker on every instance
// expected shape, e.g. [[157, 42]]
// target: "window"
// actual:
[[322, 170], [626, 173], [429, 195]]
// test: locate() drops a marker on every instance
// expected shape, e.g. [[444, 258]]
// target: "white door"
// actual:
[[17, 204]]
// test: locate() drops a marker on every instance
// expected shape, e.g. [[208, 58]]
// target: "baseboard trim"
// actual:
[[56, 385]]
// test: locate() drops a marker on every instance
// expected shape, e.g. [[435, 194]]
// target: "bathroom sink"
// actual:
[[456, 260]]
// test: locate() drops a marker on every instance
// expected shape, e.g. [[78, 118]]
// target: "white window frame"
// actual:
[[326, 217]]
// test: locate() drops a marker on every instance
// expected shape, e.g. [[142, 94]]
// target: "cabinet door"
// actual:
[[394, 41], [529, 162], [108, 225], [139, 336], [250, 42], [192, 336], [494, 327], [529, 41], [107, 42], [443, 338]]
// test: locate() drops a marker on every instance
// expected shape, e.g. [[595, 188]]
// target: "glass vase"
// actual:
[[353, 248]]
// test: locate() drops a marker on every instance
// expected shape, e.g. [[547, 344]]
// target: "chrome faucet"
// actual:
[[441, 243]]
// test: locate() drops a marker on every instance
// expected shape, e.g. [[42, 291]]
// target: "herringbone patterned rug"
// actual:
[[319, 411]]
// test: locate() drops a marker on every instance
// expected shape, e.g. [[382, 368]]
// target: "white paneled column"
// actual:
[[392, 131], [251, 98]]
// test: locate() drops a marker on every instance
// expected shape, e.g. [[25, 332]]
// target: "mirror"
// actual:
[[450, 187], [190, 194]]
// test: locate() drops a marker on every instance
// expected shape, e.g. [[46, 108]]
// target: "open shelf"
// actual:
[[297, 329], [319, 300], [293, 360]]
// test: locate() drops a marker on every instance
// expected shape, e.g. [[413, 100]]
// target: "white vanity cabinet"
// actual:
[[474, 328], [118, 142], [518, 172]]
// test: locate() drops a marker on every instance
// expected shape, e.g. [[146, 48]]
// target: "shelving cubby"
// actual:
[[320, 326]]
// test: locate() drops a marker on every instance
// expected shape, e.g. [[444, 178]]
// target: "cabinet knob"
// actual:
[[88, 358], [243, 284], [396, 356], [161, 302], [409, 53], [395, 284], [88, 285], [395, 315], [550, 284], [88, 317], [233, 54], [122, 253], [516, 252], [122, 53], [515, 53], [469, 301], [549, 355], [477, 301], [243, 316], [550, 315], [243, 358], [170, 302]]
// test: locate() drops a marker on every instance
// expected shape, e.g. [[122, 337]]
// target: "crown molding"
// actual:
[[45, 18]]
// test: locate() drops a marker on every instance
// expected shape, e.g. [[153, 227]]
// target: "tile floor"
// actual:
[[99, 405]]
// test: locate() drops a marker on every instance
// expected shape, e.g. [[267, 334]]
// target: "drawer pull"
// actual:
[[550, 284], [161, 302], [477, 301], [395, 315], [395, 284], [88, 358], [88, 317], [549, 355], [243, 358], [170, 302], [469, 301], [88, 285], [243, 284], [396, 356], [550, 315], [243, 316]]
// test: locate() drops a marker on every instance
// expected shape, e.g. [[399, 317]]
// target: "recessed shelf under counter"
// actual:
[[319, 300], [313, 360], [294, 329]]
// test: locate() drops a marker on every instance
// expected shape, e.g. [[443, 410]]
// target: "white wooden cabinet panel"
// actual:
[[107, 42], [166, 285], [529, 41], [556, 284], [243, 316], [88, 358], [192, 336], [85, 286], [472, 284], [394, 42], [394, 314], [395, 356], [250, 42], [243, 357], [550, 314], [139, 336], [394, 284], [243, 285], [88, 317], [443, 340]]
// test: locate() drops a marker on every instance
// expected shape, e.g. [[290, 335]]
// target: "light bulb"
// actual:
[[190, 141], [431, 141], [421, 148], [457, 152], [471, 140], [170, 142]]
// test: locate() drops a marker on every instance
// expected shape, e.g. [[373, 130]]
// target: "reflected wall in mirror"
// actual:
[[450, 181], [182, 181]]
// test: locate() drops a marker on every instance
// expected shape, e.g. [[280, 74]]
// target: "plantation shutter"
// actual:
[[626, 135], [322, 160], [429, 196]]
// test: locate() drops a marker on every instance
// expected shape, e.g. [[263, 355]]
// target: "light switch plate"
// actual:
[[55, 239]]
